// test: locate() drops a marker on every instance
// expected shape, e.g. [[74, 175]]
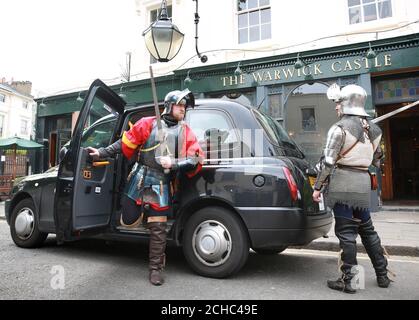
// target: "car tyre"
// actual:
[[215, 242], [24, 225]]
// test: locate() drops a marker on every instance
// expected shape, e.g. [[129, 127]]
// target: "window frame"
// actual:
[[2, 98], [260, 24], [2, 121], [362, 13], [302, 119], [26, 126]]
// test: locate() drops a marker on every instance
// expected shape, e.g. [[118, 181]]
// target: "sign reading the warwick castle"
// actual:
[[316, 70]]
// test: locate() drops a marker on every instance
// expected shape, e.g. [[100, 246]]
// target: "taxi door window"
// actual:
[[99, 135]]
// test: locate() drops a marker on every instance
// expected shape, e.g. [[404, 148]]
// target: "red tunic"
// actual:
[[140, 132]]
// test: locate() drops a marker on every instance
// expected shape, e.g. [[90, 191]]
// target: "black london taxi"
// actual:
[[253, 190]]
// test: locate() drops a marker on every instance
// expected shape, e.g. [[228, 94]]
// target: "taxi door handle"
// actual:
[[100, 163]]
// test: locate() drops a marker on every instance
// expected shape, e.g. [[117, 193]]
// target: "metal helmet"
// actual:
[[352, 98], [184, 97]]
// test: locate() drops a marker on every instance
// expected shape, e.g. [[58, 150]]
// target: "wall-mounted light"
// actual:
[[79, 98], [162, 38], [121, 94], [187, 80], [238, 71], [299, 63], [309, 78], [42, 104], [371, 53]]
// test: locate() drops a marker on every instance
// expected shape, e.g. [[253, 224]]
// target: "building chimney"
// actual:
[[24, 87]]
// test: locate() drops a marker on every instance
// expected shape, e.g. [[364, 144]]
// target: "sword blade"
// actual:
[[394, 112]]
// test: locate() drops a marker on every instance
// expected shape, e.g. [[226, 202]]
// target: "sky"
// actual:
[[66, 44]]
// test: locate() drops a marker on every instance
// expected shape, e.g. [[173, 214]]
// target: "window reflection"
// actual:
[[308, 117]]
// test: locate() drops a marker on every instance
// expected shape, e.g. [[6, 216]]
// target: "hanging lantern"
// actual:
[[163, 39]]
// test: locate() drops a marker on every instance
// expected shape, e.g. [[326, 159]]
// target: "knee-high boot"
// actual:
[[372, 244], [157, 250], [346, 231]]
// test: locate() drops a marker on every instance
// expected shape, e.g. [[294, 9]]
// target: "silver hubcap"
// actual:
[[211, 243], [24, 223]]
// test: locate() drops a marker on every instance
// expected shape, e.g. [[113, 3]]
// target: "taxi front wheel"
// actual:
[[24, 224], [215, 242]]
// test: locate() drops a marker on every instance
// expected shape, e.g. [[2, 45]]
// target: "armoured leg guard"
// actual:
[[131, 216], [157, 250], [372, 244], [346, 231]]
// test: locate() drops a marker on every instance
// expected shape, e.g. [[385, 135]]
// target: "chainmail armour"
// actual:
[[346, 177]]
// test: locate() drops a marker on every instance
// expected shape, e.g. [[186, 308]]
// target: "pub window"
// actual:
[[396, 90], [309, 119], [254, 20], [368, 10], [154, 15], [2, 98]]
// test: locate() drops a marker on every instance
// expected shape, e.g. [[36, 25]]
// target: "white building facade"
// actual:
[[17, 113], [238, 30]]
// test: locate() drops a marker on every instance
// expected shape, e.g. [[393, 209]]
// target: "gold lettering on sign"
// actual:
[[257, 76], [387, 60], [357, 63], [288, 73], [233, 80], [377, 64], [317, 69], [267, 76], [334, 66], [224, 81], [367, 64], [347, 66]]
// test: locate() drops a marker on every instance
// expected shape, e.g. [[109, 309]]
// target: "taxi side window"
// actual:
[[99, 135], [215, 132]]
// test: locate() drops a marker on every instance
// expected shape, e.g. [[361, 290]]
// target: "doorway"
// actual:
[[401, 148], [405, 153]]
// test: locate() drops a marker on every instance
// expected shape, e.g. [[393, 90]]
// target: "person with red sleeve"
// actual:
[[148, 189]]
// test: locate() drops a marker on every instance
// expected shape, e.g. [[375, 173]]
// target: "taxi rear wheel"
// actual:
[[24, 225], [215, 242]]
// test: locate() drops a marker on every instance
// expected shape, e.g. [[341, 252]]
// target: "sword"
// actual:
[[160, 132], [394, 112]]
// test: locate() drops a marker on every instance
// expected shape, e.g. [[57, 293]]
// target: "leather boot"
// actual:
[[346, 231], [372, 244], [157, 250]]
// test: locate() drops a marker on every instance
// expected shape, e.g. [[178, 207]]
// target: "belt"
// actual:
[[156, 172], [350, 168]]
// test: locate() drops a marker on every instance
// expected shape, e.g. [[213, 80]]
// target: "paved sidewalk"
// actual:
[[2, 216], [398, 230]]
